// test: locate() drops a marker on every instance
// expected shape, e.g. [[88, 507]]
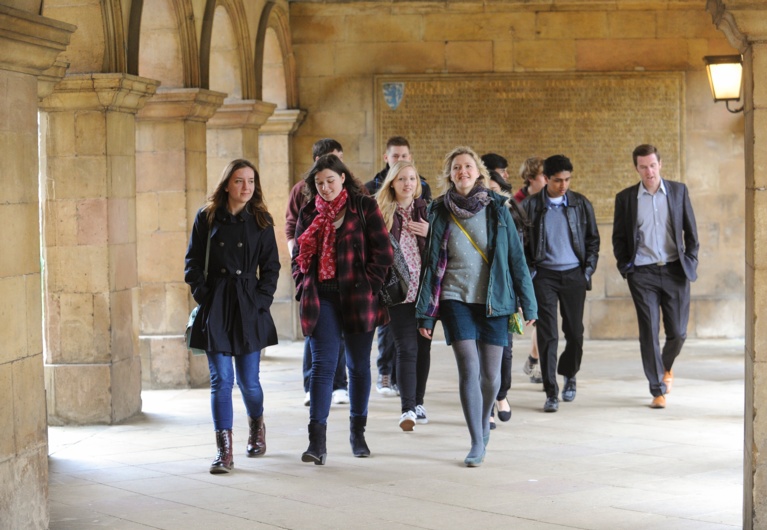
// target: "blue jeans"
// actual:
[[339, 380], [222, 382], [325, 342]]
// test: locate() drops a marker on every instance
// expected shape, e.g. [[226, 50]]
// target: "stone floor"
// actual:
[[605, 461]]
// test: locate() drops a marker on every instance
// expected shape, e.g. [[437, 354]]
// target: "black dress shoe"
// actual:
[[568, 392], [504, 415], [551, 405]]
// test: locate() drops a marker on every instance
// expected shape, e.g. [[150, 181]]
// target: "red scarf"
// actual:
[[321, 235]]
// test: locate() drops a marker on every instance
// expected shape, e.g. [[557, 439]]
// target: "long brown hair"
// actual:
[[255, 206], [330, 161]]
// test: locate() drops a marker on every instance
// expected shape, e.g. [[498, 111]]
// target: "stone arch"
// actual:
[[274, 55], [170, 35], [225, 54], [94, 47]]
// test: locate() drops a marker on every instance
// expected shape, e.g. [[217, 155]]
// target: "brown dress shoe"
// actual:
[[668, 378], [658, 402]]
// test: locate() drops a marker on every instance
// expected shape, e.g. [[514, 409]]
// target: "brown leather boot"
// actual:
[[224, 461], [257, 437]]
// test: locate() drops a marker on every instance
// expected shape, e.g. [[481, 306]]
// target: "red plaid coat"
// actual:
[[362, 261]]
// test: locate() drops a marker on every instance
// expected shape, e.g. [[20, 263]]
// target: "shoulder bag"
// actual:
[[193, 314]]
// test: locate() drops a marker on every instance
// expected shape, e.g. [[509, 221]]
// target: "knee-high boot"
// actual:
[[357, 436], [317, 451], [256, 437], [224, 461]]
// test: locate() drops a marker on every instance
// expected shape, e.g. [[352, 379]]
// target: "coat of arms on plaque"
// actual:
[[393, 94]]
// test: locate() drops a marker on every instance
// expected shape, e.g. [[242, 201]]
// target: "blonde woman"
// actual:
[[474, 270], [405, 218]]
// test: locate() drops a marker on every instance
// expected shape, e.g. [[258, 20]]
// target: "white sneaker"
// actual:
[[340, 396], [384, 386], [407, 421], [307, 399], [420, 414]]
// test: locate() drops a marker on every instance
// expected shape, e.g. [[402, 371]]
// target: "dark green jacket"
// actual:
[[509, 275]]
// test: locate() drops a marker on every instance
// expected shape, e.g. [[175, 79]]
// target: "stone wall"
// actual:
[[341, 47]]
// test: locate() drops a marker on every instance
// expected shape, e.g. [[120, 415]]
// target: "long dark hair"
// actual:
[[255, 206], [332, 162]]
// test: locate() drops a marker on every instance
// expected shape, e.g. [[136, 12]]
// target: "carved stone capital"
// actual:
[[242, 114], [171, 104], [30, 43], [283, 121], [102, 92], [741, 21]]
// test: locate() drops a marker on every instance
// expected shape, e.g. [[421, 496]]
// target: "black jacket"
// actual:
[[584, 235], [682, 222], [234, 302]]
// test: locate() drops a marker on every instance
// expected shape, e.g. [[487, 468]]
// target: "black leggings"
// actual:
[[413, 355]]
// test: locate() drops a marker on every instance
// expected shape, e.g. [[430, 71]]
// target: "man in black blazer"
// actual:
[[655, 241]]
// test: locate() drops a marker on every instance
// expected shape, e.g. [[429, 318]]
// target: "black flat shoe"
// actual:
[[504, 415], [551, 405]]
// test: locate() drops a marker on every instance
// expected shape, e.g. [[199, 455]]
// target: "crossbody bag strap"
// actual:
[[207, 252], [476, 247]]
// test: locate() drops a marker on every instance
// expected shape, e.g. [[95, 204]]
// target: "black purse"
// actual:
[[193, 314], [395, 287]]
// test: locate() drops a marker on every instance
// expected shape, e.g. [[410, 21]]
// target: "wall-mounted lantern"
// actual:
[[725, 76]]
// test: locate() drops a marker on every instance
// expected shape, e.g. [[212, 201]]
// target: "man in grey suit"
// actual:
[[655, 241]]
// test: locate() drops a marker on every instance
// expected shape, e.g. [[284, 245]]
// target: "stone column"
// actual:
[[745, 25], [91, 301], [276, 147], [170, 187], [29, 46], [233, 133]]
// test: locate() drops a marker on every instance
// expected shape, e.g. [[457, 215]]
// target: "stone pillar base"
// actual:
[[167, 363], [24, 490]]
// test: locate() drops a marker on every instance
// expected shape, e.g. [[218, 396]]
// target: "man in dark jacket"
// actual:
[[562, 253], [655, 240], [397, 148]]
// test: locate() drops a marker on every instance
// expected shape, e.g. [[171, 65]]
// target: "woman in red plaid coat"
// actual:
[[340, 261]]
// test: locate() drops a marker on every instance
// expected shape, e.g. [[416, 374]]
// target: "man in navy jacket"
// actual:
[[655, 241]]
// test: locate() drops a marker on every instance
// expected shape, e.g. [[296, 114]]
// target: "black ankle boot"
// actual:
[[357, 436], [317, 451], [224, 461]]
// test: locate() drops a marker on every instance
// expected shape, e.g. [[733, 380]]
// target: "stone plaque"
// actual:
[[596, 120]]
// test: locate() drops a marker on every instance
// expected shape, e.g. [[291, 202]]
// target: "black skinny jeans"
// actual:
[[413, 355], [505, 370]]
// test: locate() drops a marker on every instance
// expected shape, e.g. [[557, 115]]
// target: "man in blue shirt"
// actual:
[[655, 241], [562, 253]]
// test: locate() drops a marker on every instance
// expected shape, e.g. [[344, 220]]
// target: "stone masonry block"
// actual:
[[169, 362], [311, 29], [34, 314], [30, 427], [612, 319], [92, 222], [76, 321], [719, 318], [153, 253], [331, 124], [364, 28], [756, 323], [126, 388], [199, 372], [13, 318], [629, 54], [7, 422], [18, 107], [90, 133], [686, 24], [390, 58], [176, 307], [78, 269], [122, 176], [121, 134], [461, 26], [545, 54], [18, 167], [161, 171], [147, 214], [172, 210], [631, 24], [21, 240], [79, 394], [24, 488], [123, 273], [122, 221], [572, 25], [159, 136], [124, 331], [60, 133], [78, 177], [469, 56], [61, 220], [152, 307]]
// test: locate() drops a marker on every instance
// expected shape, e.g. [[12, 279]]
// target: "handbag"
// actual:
[[516, 324], [193, 314], [397, 283]]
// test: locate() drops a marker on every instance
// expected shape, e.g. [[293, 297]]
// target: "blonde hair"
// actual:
[[444, 178], [386, 196], [530, 169]]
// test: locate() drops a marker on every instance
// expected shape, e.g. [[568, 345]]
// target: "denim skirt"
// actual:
[[462, 321]]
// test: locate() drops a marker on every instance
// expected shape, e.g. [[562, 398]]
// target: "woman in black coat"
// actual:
[[233, 322]]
